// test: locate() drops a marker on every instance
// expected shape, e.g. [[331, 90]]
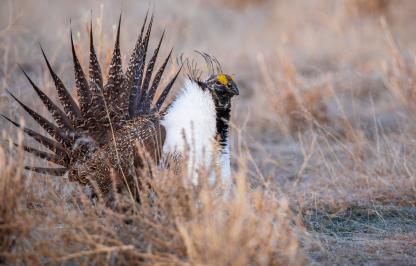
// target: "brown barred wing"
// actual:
[[136, 144]]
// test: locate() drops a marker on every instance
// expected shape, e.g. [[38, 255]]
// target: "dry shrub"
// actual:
[[305, 108], [400, 73], [241, 4], [176, 223], [367, 7], [9, 202], [376, 174], [297, 105]]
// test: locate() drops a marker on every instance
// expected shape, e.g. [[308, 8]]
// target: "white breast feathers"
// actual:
[[190, 131]]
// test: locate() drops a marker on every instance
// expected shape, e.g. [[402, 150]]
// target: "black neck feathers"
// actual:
[[223, 113]]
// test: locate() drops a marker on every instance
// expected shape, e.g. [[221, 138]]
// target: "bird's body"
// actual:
[[120, 156], [191, 123], [117, 128]]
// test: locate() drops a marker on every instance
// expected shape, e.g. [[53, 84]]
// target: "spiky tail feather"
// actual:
[[84, 128]]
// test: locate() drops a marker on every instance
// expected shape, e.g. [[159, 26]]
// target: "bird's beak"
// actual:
[[234, 90]]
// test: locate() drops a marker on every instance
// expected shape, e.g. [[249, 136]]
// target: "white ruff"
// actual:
[[190, 130]]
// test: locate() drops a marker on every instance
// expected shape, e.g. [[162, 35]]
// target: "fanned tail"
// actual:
[[81, 127]]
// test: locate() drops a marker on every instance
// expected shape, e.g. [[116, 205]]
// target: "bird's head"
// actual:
[[221, 86]]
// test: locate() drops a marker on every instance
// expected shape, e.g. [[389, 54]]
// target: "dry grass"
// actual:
[[176, 224], [366, 7], [324, 160]]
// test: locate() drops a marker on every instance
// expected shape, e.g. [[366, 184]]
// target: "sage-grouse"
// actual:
[[114, 129]]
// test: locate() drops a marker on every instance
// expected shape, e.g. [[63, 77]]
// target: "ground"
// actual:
[[323, 130]]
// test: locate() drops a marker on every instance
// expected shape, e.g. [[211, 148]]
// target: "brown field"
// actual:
[[324, 137]]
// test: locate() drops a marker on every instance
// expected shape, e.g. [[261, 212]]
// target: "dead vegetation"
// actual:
[[324, 142], [176, 224], [367, 7]]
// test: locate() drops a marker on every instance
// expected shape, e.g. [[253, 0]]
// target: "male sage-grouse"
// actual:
[[104, 132]]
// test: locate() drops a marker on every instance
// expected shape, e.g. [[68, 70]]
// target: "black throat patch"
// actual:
[[223, 113]]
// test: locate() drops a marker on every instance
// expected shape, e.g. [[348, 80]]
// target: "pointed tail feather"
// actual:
[[133, 59], [149, 71], [149, 31], [115, 69], [96, 114], [52, 130], [45, 155], [151, 64], [61, 119], [136, 69], [52, 145], [94, 69], [166, 91], [142, 30], [70, 107], [80, 82], [135, 81], [155, 84], [47, 171], [115, 92]]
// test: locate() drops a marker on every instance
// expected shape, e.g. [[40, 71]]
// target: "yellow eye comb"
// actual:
[[222, 79]]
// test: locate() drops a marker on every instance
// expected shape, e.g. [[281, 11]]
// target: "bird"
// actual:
[[118, 127], [198, 122]]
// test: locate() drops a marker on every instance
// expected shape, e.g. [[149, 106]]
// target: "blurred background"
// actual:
[[274, 48]]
